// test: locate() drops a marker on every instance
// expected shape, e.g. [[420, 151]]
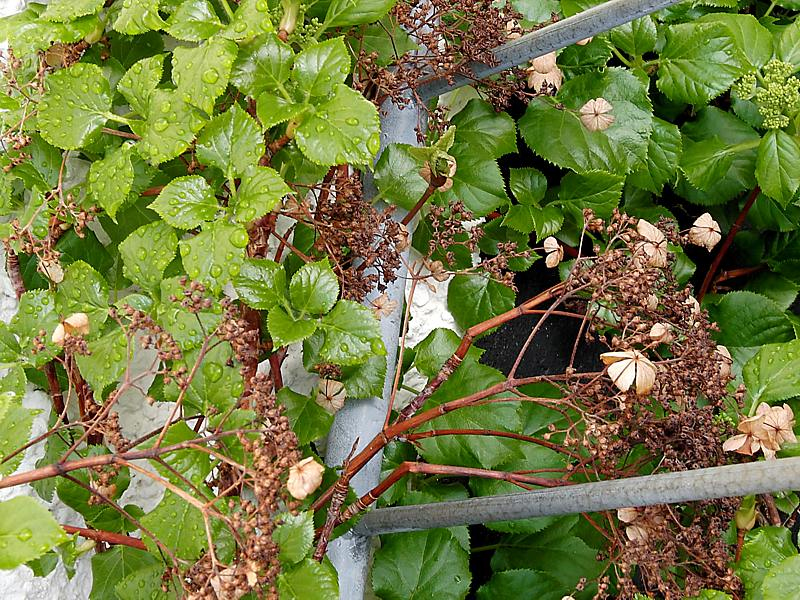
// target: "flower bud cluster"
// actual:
[[779, 94]]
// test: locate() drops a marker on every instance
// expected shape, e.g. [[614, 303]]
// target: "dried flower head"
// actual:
[[660, 332], [543, 82], [75, 324], [595, 114], [630, 368], [402, 239], [705, 232], [438, 272], [725, 360], [446, 174], [555, 253], [383, 307], [304, 478], [51, 268], [331, 395], [544, 64], [654, 246], [748, 442], [767, 430]]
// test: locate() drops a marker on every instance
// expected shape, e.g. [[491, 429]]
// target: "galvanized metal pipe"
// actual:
[[667, 488], [588, 23]]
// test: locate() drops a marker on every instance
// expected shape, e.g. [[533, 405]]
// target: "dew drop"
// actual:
[[24, 535], [374, 143], [239, 238], [216, 271], [211, 76], [160, 125], [212, 371]]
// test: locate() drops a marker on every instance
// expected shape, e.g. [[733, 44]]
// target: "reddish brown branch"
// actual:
[[109, 537], [122, 134], [55, 390], [492, 433], [723, 249], [14, 273], [421, 202], [153, 191]]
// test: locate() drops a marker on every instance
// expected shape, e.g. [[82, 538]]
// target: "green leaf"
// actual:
[[465, 450], [748, 319], [386, 38], [352, 334], [506, 585], [178, 524], [763, 548], [201, 73], [397, 176], [231, 141], [699, 61], [343, 13], [773, 374], [439, 345], [111, 178], [782, 580], [309, 420], [787, 45], [27, 33], [250, 19], [711, 595], [186, 202], [263, 65], [69, 10], [345, 129], [215, 255], [188, 328], [83, 290], [363, 381], [477, 182], [294, 536], [194, 21], [285, 329], [191, 464], [114, 565], [556, 551], [307, 580], [483, 130], [637, 37], [16, 422], [712, 122], [752, 39], [146, 253], [169, 127], [664, 150], [261, 190], [138, 16], [27, 531], [705, 162], [314, 288], [558, 136], [261, 283], [215, 385], [596, 190], [528, 185], [778, 165], [422, 564], [36, 313], [475, 298], [75, 106], [272, 110], [144, 581], [318, 70], [110, 356]]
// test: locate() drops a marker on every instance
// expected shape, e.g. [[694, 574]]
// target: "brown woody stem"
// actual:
[[109, 537]]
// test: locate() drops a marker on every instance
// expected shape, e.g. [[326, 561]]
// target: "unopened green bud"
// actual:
[[745, 517]]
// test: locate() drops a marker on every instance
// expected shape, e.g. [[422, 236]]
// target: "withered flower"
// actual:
[[779, 427], [661, 333], [595, 114], [52, 269], [75, 324], [331, 395], [630, 368], [705, 232], [725, 360], [383, 307], [555, 253], [438, 271], [748, 442], [654, 246], [636, 532], [538, 81], [402, 239], [304, 478]]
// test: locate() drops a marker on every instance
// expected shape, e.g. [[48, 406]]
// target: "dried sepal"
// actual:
[[438, 272], [75, 324], [595, 114], [767, 430], [584, 41], [544, 63], [629, 369], [542, 82], [654, 246], [403, 238], [554, 252], [705, 232], [661, 333], [382, 306], [725, 360], [331, 395], [304, 478], [52, 269]]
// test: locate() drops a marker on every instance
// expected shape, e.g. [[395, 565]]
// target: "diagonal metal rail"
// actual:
[[559, 35], [667, 488]]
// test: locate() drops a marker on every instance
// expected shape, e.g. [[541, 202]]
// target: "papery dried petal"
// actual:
[[584, 41], [629, 367], [304, 478], [331, 395], [595, 114], [705, 232], [555, 253], [654, 248], [660, 332], [545, 63], [725, 360], [628, 514], [543, 81]]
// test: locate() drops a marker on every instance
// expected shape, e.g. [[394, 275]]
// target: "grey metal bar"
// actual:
[[683, 486], [548, 39]]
